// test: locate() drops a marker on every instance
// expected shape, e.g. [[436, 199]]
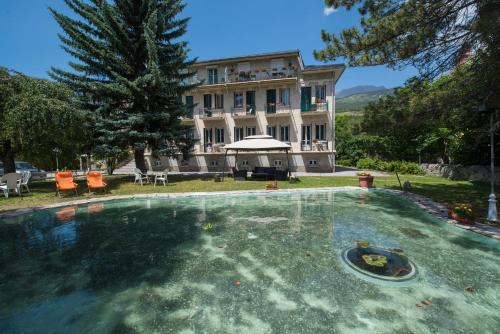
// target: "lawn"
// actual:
[[439, 189]]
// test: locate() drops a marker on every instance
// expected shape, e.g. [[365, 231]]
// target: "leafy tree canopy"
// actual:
[[37, 116], [131, 69]]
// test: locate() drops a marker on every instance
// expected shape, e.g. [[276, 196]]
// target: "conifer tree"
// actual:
[[131, 68], [432, 35]]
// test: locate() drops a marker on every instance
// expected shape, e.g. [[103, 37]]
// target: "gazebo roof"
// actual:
[[258, 143]]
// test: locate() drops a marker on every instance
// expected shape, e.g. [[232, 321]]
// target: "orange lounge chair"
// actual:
[[65, 182], [95, 181]]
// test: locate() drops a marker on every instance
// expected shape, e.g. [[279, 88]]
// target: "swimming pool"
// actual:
[[254, 263]]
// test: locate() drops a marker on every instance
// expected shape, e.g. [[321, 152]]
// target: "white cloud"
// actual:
[[329, 10]]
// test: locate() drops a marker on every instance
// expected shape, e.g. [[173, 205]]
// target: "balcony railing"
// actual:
[[207, 113], [248, 111], [315, 107], [214, 148], [274, 109], [314, 146], [254, 75]]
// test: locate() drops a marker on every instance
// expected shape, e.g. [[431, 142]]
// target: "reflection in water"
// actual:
[[143, 266]]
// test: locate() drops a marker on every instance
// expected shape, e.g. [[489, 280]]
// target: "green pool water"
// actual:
[[270, 264]]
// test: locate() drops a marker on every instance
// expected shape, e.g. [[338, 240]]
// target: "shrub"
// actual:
[[403, 167], [346, 162]]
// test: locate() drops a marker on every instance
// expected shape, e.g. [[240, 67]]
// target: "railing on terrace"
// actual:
[[214, 148], [254, 75], [239, 112], [315, 145], [277, 108], [318, 107], [207, 113]]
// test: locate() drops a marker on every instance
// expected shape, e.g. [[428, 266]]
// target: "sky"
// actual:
[[218, 28]]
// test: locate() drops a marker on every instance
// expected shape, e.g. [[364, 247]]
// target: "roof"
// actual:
[[258, 143], [255, 55], [323, 67]]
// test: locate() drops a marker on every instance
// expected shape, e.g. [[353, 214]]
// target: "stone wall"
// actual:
[[458, 172]]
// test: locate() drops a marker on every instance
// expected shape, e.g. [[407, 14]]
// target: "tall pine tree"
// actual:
[[131, 70]]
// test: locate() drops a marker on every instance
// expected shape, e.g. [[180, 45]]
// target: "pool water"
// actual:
[[268, 263]]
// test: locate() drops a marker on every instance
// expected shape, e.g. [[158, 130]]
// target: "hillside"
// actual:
[[355, 103], [358, 90]]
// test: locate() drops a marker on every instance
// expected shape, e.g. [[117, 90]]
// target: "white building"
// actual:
[[271, 93]]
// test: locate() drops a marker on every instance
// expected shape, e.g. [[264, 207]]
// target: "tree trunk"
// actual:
[[8, 158], [140, 162]]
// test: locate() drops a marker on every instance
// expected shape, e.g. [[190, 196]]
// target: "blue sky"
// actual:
[[218, 28]]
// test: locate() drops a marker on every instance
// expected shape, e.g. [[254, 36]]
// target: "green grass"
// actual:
[[442, 190]]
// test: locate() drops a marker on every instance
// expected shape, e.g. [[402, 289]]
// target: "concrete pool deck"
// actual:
[[431, 207]]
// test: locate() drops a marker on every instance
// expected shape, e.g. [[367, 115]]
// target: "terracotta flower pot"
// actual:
[[366, 181], [460, 219]]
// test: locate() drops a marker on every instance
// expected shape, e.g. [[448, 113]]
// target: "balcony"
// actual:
[[188, 117], [314, 109], [232, 76], [248, 112], [214, 148], [211, 114], [314, 146], [277, 110]]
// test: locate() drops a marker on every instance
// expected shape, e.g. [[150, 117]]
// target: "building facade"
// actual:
[[266, 94]]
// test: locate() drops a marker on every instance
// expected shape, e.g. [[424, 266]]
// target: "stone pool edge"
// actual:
[[431, 207]]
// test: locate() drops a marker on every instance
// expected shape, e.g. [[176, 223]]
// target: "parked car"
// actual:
[[22, 166]]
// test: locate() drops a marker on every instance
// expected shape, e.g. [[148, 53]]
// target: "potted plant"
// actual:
[[365, 180], [462, 213]]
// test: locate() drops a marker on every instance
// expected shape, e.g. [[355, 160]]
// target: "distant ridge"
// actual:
[[358, 89], [355, 103]]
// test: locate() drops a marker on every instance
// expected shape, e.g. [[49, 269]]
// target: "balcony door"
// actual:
[[271, 101], [207, 101], [305, 98], [208, 139], [250, 101], [306, 137]]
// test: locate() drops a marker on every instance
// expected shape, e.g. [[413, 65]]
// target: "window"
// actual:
[[244, 163], [158, 163], [207, 137], [212, 76], [251, 130], [271, 101], [219, 101], [313, 163], [238, 100], [306, 137], [207, 101], [277, 163], [250, 96], [189, 105], [285, 96], [243, 67], [320, 132], [320, 93], [271, 131], [285, 133], [190, 133], [238, 134], [277, 64], [214, 163], [219, 135]]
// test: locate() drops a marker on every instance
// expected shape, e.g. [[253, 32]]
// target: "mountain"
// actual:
[[357, 90], [356, 102]]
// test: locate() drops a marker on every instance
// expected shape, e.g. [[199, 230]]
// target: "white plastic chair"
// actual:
[[11, 182], [162, 177], [140, 177], [25, 179]]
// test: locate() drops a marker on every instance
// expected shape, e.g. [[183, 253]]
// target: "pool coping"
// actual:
[[431, 207]]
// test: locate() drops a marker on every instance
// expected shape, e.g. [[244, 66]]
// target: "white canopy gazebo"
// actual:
[[255, 144]]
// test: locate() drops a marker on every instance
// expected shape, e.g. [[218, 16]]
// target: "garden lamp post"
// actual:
[[57, 151], [492, 201]]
